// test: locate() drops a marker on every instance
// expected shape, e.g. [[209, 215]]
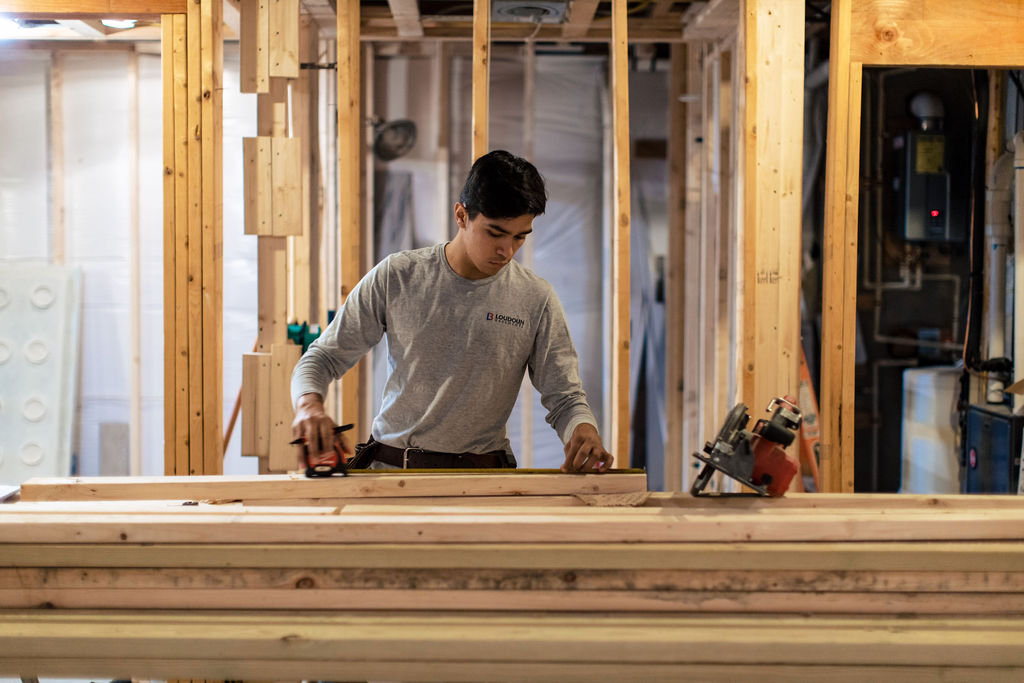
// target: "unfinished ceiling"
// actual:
[[412, 20]]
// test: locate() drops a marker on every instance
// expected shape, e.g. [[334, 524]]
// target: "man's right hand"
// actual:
[[312, 424]]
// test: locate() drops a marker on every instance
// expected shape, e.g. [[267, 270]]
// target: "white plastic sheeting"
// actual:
[[24, 156], [97, 106]]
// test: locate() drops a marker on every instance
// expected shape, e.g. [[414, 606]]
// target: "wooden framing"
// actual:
[[350, 141], [268, 488], [882, 33], [773, 132], [581, 15], [481, 77], [193, 64], [192, 94], [801, 588], [618, 444]]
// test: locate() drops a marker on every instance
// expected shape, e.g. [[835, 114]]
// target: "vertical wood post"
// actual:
[[692, 427], [192, 68], [481, 76], [350, 137], [620, 236], [839, 287], [773, 34], [674, 272]]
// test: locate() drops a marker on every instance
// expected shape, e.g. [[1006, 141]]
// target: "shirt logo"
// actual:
[[506, 320]]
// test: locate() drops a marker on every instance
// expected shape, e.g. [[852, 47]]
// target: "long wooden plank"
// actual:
[[350, 140], [934, 32], [839, 265], [170, 394], [176, 338], [706, 584], [212, 245], [619, 438], [430, 638], [994, 556], [481, 89], [513, 601], [194, 240], [528, 672], [100, 8], [675, 280], [770, 353], [359, 484], [693, 432], [16, 527]]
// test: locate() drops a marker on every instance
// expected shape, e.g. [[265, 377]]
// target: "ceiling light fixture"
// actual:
[[118, 23]]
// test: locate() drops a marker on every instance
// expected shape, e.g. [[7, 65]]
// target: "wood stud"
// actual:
[[192, 68]]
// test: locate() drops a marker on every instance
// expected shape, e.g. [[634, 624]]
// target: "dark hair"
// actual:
[[502, 185]]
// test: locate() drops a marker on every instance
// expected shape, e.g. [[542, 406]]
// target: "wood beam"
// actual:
[[693, 434], [982, 33], [350, 196], [356, 485], [481, 77], [839, 293], [675, 287], [121, 9], [192, 68], [619, 443], [774, 53], [581, 15]]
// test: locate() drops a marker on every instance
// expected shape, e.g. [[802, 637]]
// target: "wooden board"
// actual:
[[297, 486], [254, 46], [773, 136], [465, 525], [839, 254], [284, 38], [993, 556], [192, 74], [283, 358], [352, 263], [982, 33], [675, 280], [619, 438], [255, 404], [438, 641], [481, 89], [286, 186], [257, 178]]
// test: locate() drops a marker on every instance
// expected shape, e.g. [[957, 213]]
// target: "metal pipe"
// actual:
[[997, 243], [1018, 267]]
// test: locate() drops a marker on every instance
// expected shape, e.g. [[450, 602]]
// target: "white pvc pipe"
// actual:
[[1018, 267], [997, 239]]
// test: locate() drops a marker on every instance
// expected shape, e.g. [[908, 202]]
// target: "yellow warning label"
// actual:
[[930, 154]]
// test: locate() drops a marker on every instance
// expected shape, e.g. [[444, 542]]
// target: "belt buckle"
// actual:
[[405, 456]]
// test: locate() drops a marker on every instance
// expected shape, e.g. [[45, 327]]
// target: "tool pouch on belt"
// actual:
[[363, 457]]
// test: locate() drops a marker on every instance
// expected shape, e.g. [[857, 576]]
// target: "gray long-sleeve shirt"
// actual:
[[457, 350]]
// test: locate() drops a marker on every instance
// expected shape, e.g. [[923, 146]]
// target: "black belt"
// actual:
[[418, 458]]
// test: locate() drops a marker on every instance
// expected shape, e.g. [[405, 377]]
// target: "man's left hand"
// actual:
[[585, 453]]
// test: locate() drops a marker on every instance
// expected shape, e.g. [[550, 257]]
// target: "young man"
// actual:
[[463, 323]]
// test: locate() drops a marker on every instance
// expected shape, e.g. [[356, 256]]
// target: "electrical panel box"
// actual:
[[928, 210], [993, 441]]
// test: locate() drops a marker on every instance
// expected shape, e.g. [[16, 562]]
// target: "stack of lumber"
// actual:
[[540, 577]]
